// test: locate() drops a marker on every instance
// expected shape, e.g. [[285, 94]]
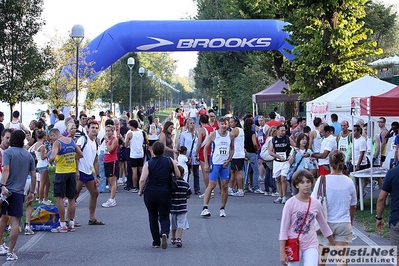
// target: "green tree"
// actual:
[[383, 20], [23, 65], [331, 44]]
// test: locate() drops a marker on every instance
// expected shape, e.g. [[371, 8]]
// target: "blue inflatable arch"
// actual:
[[186, 35]]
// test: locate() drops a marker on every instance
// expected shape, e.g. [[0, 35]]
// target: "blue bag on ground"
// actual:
[[44, 218]]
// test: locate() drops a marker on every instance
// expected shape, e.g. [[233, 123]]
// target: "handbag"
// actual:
[[322, 197], [173, 181], [292, 244], [292, 170], [264, 152]]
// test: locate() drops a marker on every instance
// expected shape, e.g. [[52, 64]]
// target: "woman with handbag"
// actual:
[[270, 182], [341, 200], [298, 237], [156, 179]]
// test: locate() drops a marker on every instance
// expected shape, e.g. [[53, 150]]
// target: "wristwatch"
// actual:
[[378, 218]]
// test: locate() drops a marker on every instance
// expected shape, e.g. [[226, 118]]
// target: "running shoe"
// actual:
[[3, 249], [134, 190], [267, 193], [205, 213], [284, 200], [275, 194], [259, 191], [222, 213], [71, 226], [239, 193], [178, 243], [59, 229], [28, 231], [173, 241], [120, 181], [11, 256], [109, 203], [230, 191], [250, 190], [278, 200], [47, 202]]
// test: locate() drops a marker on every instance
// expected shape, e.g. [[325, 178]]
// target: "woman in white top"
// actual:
[[341, 201], [237, 162], [41, 153], [153, 132]]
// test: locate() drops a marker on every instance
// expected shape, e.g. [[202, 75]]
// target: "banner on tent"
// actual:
[[355, 106]]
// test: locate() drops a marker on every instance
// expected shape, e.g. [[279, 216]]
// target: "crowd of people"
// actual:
[[236, 154]]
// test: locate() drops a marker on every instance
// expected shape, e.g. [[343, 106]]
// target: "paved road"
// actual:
[[247, 236]]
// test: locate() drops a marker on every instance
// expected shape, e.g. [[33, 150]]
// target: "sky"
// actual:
[[98, 15]]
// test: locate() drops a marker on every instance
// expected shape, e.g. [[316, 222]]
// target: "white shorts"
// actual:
[[178, 220], [37, 176], [280, 168]]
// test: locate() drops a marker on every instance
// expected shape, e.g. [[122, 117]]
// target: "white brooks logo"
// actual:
[[162, 42]]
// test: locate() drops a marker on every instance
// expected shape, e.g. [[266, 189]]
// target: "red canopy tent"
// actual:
[[386, 104]]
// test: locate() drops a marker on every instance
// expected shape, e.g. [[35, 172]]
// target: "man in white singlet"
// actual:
[[217, 165]]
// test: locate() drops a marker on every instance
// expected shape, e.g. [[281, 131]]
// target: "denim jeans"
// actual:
[[103, 180], [253, 159], [269, 180]]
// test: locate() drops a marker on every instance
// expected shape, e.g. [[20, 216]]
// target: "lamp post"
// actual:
[[149, 75], [141, 73], [130, 63], [77, 34]]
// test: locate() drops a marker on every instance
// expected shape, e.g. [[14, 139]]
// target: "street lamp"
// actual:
[[130, 63], [77, 34], [141, 73]]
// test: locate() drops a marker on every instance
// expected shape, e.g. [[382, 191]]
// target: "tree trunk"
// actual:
[[12, 105]]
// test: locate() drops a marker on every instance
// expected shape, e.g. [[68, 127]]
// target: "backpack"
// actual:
[[85, 142]]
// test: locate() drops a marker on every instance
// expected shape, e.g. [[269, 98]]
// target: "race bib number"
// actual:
[[223, 151], [342, 148], [282, 154]]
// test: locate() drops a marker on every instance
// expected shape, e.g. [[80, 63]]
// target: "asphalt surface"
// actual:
[[247, 236]]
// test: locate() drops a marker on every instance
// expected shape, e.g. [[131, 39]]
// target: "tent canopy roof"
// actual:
[[274, 94]]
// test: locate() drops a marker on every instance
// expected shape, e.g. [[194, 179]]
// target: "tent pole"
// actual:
[[371, 162]]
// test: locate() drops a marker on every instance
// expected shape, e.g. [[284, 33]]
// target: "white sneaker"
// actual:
[[120, 181], [205, 213], [250, 190], [259, 191], [124, 179], [267, 193], [109, 203], [239, 193], [230, 191], [11, 257], [28, 231], [278, 200], [212, 194], [275, 194], [3, 249], [47, 202], [222, 213], [284, 200]]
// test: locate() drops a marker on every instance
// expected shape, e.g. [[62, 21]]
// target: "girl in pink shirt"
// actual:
[[293, 215]]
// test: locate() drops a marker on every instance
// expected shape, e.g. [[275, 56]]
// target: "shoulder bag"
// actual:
[[292, 244], [322, 197], [173, 181]]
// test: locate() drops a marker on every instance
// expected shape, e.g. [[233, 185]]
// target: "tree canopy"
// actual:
[[23, 65]]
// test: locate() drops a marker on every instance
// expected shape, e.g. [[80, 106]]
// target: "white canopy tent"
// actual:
[[338, 101]]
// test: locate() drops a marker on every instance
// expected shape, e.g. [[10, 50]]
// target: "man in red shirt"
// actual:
[[272, 122]]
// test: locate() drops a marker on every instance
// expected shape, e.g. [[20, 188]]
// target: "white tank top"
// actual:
[[220, 148], [15, 126], [343, 143], [317, 142], [239, 152], [152, 131], [136, 144], [40, 162]]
